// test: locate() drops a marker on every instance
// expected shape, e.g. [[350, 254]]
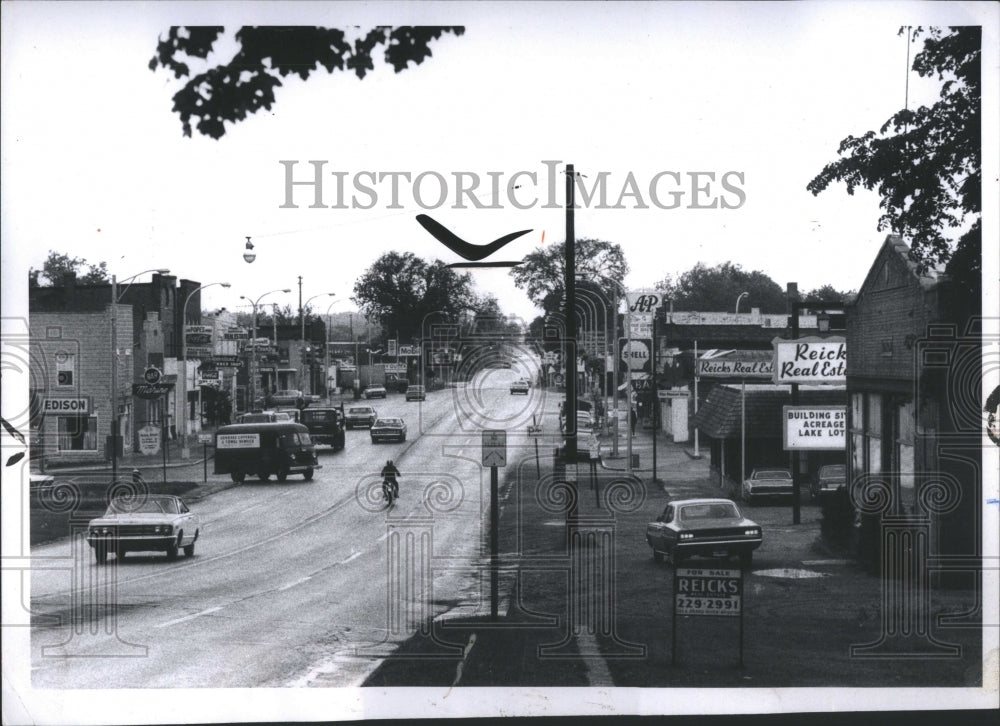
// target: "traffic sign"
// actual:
[[494, 447]]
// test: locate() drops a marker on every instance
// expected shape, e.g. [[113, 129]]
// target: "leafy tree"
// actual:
[[926, 163], [399, 290], [541, 274], [826, 293], [715, 289], [231, 91], [56, 265]]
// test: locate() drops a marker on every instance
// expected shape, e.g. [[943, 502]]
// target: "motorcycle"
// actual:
[[390, 489]]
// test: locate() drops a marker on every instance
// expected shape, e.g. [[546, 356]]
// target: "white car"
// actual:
[[156, 522]]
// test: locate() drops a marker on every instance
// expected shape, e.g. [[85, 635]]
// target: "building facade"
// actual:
[[914, 416]]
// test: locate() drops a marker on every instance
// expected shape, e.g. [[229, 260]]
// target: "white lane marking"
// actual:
[[290, 585], [383, 537], [354, 556], [188, 617]]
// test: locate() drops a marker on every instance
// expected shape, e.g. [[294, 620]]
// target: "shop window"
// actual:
[[904, 456], [77, 433], [873, 431], [65, 369]]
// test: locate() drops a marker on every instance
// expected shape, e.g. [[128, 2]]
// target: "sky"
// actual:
[[754, 95], [93, 162]]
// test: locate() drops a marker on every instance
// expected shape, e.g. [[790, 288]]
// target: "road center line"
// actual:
[[189, 617], [290, 585], [354, 556]]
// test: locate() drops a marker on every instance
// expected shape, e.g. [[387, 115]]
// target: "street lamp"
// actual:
[[185, 451], [302, 316], [253, 341], [740, 297], [114, 363]]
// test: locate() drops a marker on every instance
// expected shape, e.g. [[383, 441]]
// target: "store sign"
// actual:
[[810, 360], [735, 368], [814, 428], [236, 334], [409, 350], [66, 405], [150, 391], [636, 353], [644, 301]]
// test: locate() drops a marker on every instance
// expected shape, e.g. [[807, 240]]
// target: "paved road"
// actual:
[[296, 582]]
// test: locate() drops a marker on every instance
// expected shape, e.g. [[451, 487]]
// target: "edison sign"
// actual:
[[810, 360], [814, 428]]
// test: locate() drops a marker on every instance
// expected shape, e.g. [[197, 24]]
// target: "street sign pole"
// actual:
[[494, 543]]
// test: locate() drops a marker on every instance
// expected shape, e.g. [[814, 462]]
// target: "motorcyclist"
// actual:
[[389, 474]]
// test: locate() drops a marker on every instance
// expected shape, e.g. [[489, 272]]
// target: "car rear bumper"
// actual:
[[387, 437]]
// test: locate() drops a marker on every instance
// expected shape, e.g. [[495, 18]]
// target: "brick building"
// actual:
[[75, 318]]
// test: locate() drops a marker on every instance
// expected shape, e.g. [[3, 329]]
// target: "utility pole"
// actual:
[[569, 282]]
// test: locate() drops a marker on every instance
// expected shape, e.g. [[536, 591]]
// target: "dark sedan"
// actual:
[[829, 480], [710, 527], [388, 429]]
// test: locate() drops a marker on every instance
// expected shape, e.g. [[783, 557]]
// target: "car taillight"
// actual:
[[687, 535], [752, 532]]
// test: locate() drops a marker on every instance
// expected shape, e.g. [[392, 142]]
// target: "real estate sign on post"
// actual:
[[810, 360], [814, 428]]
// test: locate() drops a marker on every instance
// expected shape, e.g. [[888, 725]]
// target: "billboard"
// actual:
[[735, 368], [810, 360], [814, 428]]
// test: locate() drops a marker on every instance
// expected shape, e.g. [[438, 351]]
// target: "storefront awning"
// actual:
[[719, 416]]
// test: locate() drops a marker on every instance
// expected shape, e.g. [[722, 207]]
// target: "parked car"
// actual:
[[388, 429], [767, 482], [709, 527], [264, 449], [156, 523], [326, 426], [264, 417], [291, 397], [360, 416], [829, 480], [520, 386], [375, 392], [416, 393]]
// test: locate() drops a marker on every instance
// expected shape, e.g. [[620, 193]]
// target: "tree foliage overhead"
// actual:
[[246, 84], [541, 274], [399, 290], [56, 265], [715, 289], [926, 163]]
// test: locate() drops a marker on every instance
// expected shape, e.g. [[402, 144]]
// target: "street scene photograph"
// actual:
[[437, 360]]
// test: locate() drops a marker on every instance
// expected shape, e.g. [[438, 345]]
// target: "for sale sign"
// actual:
[[708, 592]]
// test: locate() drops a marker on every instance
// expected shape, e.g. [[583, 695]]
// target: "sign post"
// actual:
[[494, 455], [708, 592]]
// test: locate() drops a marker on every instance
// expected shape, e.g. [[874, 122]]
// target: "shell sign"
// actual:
[[810, 360]]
